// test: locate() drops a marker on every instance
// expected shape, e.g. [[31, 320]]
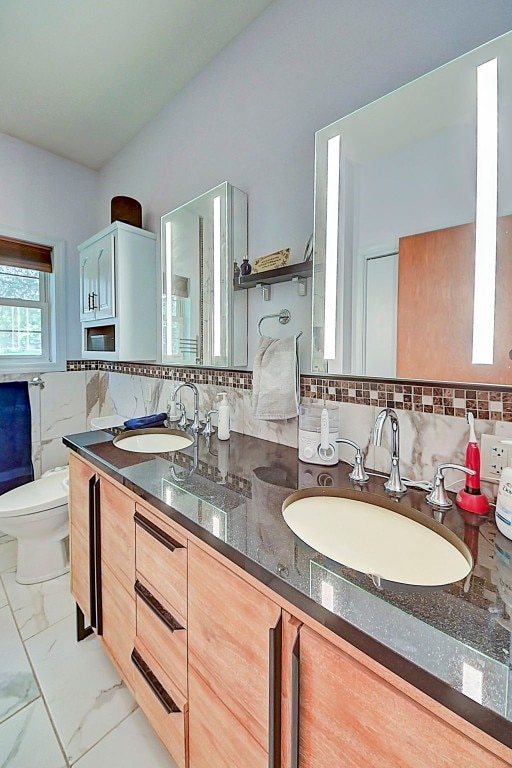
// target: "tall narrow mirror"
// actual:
[[413, 229], [204, 322]]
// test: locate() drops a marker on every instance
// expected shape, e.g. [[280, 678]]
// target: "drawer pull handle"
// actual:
[[158, 534], [295, 703], [156, 686], [163, 614], [275, 644]]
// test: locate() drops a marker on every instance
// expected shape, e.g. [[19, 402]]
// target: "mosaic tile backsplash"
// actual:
[[486, 402]]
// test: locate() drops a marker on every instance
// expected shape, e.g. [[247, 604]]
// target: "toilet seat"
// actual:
[[46, 493]]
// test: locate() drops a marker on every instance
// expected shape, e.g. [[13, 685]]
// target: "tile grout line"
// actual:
[[76, 763], [39, 687]]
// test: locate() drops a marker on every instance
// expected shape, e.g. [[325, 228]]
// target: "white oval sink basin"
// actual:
[[391, 542], [153, 440]]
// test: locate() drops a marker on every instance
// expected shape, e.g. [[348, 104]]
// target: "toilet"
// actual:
[[37, 515]]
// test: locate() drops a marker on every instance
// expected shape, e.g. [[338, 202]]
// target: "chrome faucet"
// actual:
[[394, 484], [196, 425]]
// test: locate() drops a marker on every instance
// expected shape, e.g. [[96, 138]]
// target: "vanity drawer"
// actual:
[[157, 628], [161, 562], [168, 717]]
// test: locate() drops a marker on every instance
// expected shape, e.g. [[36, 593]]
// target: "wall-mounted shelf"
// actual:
[[298, 272]]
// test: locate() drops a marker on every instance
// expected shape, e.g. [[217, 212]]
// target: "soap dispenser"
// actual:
[[223, 432]]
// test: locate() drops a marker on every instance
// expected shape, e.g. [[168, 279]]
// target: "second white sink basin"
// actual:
[[153, 440], [391, 542]]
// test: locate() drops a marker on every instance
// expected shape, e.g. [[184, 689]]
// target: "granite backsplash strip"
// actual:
[[486, 402]]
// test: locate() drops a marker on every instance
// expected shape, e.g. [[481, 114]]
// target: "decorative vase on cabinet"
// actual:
[[117, 289]]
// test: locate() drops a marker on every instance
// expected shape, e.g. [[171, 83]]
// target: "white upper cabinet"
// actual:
[[97, 272], [118, 294]]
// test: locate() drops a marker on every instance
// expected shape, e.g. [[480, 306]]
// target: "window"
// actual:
[[30, 313]]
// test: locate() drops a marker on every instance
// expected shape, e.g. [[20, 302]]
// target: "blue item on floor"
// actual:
[[15, 436], [156, 420]]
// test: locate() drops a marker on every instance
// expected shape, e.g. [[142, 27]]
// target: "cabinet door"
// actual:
[[88, 283], [105, 299], [117, 544], [80, 476], [118, 533], [232, 660], [118, 631], [350, 717]]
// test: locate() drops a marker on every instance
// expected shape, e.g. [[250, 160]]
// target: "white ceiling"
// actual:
[[81, 77]]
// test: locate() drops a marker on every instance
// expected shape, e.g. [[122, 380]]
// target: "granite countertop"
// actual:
[[454, 642]]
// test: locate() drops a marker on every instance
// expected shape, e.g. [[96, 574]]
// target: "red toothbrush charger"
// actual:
[[471, 498]]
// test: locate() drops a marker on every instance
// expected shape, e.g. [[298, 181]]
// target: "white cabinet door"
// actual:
[[88, 280], [97, 278], [105, 299]]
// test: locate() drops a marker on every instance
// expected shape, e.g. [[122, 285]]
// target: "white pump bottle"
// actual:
[[223, 432]]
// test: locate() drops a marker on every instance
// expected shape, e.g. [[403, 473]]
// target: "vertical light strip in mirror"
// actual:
[[331, 246], [486, 212], [168, 289], [216, 276]]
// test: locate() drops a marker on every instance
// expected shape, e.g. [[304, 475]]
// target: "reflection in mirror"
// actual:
[[413, 232], [204, 322]]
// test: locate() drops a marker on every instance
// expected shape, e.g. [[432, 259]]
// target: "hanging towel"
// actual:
[[275, 378], [15, 436]]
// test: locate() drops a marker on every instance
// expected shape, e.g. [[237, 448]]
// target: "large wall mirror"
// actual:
[[204, 322], [413, 229]]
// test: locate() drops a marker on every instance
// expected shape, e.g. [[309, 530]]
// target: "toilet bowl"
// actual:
[[37, 515]]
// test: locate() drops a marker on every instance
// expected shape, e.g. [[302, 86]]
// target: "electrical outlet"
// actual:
[[495, 455]]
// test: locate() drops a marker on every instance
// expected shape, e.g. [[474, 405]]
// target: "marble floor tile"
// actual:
[[83, 691], [8, 552], [38, 606], [132, 744], [27, 739], [17, 683]]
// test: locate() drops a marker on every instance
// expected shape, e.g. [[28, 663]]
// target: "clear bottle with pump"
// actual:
[[504, 503], [223, 432]]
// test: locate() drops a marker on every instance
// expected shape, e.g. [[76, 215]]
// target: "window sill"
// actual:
[[16, 368]]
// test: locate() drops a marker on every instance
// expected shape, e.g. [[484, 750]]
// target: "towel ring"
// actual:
[[284, 317]]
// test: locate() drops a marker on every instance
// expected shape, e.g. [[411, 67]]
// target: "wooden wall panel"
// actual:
[[435, 306]]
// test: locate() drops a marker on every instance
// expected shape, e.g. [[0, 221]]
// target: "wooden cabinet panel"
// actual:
[[118, 623], [350, 717], [167, 714], [217, 738], [435, 302], [118, 533], [80, 475], [161, 562], [229, 628], [79, 557], [160, 632]]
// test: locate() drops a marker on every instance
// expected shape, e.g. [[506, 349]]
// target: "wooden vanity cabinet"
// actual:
[[102, 553], [344, 714], [234, 668], [81, 475], [228, 677]]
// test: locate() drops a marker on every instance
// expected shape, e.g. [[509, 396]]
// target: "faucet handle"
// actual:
[[208, 428], [438, 496], [358, 474], [182, 423]]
